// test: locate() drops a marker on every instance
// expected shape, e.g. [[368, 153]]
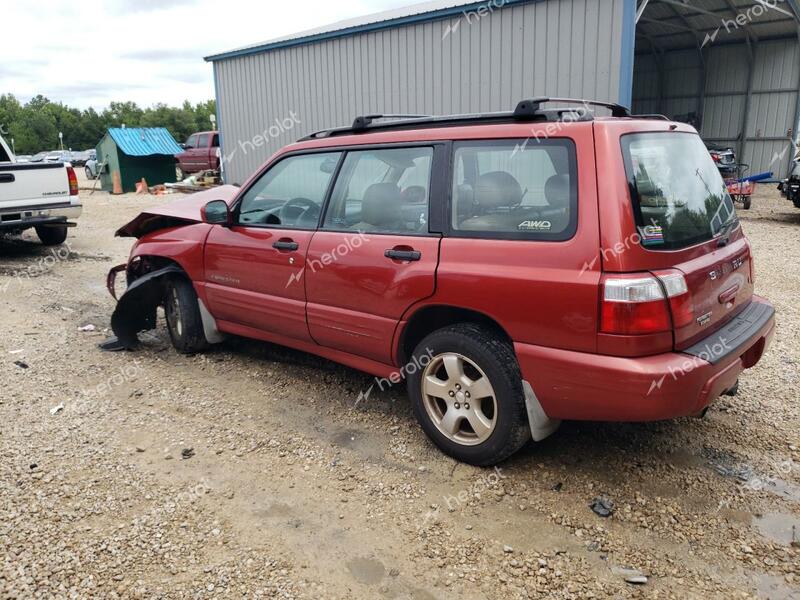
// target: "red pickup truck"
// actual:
[[200, 153]]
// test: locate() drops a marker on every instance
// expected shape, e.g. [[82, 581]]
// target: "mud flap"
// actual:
[[541, 425], [136, 309]]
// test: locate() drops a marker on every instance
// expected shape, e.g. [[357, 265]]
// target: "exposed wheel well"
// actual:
[[144, 264], [431, 318]]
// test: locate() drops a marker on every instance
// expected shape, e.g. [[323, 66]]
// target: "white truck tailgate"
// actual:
[[33, 184]]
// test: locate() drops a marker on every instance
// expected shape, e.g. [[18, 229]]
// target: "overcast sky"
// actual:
[[88, 53]]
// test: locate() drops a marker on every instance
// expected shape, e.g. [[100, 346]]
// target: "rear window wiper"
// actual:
[[725, 232]]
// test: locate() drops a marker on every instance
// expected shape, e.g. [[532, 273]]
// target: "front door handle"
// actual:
[[403, 254], [286, 245], [7, 178]]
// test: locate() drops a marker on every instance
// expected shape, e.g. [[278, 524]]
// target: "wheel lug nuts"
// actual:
[[466, 406], [452, 394], [458, 387], [457, 405], [466, 394]]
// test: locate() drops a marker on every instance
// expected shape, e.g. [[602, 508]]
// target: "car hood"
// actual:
[[182, 211]]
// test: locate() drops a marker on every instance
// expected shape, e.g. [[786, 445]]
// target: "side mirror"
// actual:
[[182, 145], [216, 212]]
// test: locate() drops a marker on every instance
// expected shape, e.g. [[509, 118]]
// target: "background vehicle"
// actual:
[[478, 257], [78, 159], [91, 168], [732, 173], [42, 195], [201, 153], [58, 156], [790, 187], [38, 157], [23, 158]]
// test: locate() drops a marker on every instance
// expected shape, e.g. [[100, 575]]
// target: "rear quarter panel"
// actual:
[[540, 292]]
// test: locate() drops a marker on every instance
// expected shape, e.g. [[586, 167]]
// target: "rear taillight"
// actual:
[[680, 300], [73, 181], [644, 303], [715, 157]]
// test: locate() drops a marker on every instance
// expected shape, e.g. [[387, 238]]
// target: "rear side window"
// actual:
[[382, 191], [515, 189], [215, 141], [679, 197]]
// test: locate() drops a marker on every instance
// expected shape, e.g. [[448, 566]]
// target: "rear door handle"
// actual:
[[403, 254], [7, 178], [286, 245], [729, 294]]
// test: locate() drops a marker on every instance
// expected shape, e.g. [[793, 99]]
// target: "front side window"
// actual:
[[515, 189], [291, 193], [679, 197], [202, 141], [383, 191], [191, 142]]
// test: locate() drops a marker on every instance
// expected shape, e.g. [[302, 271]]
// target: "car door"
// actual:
[[201, 162], [374, 255], [186, 158], [254, 268]]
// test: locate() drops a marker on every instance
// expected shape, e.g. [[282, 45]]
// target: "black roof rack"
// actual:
[[526, 110]]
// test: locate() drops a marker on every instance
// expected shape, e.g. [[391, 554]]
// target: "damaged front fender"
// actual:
[[136, 309]]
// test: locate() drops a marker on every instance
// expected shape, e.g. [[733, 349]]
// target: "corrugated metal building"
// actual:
[[448, 57]]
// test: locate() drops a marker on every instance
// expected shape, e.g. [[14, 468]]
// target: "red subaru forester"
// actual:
[[516, 268]]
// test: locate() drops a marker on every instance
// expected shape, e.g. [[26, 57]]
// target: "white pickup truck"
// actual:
[[40, 195]]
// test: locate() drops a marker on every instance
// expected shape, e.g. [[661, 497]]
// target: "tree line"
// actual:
[[35, 125]]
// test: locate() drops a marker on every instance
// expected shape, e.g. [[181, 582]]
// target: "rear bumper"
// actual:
[[23, 218], [579, 386]]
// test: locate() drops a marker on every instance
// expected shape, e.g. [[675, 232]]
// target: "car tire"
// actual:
[[52, 236], [88, 172], [452, 366], [747, 202], [184, 323]]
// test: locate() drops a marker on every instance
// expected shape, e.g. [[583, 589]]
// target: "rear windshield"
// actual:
[[678, 194]]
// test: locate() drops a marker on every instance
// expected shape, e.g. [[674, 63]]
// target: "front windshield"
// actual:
[[678, 194]]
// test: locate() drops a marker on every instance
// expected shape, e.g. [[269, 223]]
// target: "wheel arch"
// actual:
[[428, 319]]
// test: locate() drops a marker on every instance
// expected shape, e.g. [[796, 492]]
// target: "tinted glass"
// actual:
[[678, 194], [515, 189], [382, 191], [202, 141], [290, 194]]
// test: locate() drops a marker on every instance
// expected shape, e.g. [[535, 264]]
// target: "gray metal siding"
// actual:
[[771, 119], [554, 47]]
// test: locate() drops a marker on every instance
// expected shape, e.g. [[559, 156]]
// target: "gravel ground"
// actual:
[[251, 471]]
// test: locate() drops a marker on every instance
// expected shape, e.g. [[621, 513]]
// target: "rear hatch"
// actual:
[[687, 224], [25, 185]]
